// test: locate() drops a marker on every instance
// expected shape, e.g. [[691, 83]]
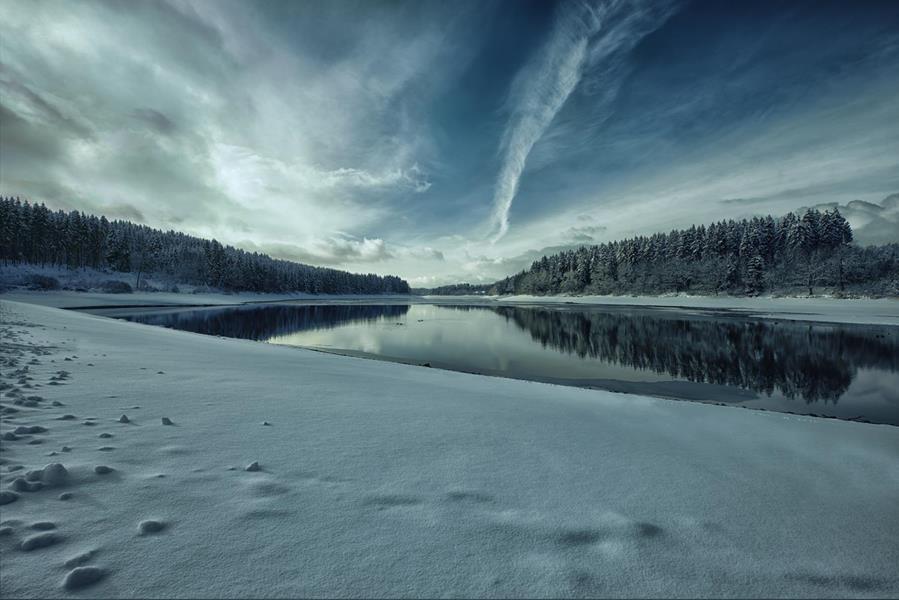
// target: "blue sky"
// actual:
[[449, 141]]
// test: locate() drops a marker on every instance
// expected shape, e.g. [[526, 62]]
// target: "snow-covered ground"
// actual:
[[72, 299], [381, 479], [878, 311]]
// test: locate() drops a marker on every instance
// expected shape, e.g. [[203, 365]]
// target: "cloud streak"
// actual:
[[586, 36]]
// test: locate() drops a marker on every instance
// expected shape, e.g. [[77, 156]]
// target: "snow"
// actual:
[[876, 311], [380, 479], [73, 299]]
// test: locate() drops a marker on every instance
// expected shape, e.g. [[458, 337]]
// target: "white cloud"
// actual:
[[586, 37]]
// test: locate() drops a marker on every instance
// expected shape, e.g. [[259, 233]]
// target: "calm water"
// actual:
[[845, 371]]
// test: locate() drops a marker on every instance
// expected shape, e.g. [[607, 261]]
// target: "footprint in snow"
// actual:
[[150, 526], [8, 497], [80, 559], [40, 540], [80, 577]]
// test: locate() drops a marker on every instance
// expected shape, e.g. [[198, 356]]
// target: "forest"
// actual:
[[456, 289], [33, 234], [791, 254]]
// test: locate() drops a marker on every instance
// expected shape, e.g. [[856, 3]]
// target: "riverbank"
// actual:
[[382, 479], [875, 311]]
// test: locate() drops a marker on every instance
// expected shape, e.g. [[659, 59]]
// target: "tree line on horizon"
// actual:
[[32, 233], [796, 252]]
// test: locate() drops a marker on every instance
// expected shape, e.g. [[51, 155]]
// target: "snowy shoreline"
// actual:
[[383, 479], [872, 311]]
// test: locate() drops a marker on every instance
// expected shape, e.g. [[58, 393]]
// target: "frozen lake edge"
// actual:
[[381, 479]]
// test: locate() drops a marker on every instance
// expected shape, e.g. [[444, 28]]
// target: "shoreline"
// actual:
[[374, 476], [869, 311]]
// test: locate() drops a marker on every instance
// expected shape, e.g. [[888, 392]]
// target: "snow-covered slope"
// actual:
[[381, 479]]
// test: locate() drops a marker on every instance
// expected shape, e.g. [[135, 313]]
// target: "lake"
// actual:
[[843, 371]]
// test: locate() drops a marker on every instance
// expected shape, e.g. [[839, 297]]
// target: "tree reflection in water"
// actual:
[[265, 322], [812, 361]]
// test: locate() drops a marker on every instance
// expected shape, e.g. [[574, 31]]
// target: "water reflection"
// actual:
[[815, 362], [262, 323], [775, 365]]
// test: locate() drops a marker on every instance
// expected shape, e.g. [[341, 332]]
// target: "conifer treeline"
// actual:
[[750, 256], [32, 233]]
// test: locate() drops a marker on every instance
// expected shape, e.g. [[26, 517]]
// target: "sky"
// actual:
[[449, 141]]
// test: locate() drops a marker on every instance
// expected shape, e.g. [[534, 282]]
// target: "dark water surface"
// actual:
[[845, 371]]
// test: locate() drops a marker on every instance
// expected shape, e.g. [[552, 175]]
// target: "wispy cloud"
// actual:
[[343, 250], [589, 42]]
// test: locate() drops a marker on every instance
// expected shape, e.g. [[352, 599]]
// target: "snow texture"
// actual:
[[382, 479]]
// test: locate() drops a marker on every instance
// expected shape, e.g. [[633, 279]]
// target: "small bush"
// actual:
[[113, 286], [41, 282]]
